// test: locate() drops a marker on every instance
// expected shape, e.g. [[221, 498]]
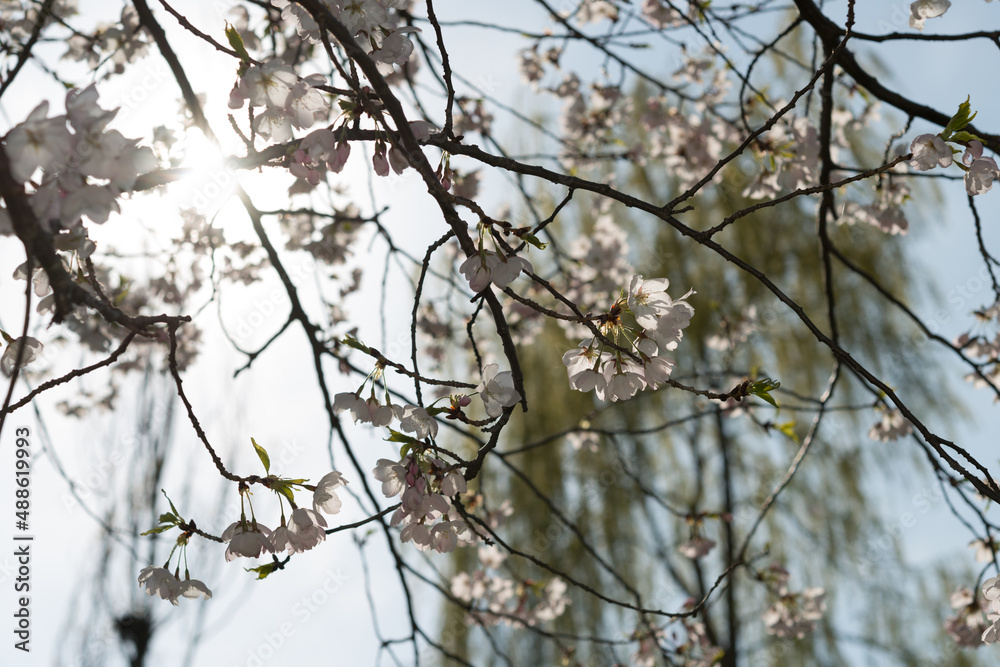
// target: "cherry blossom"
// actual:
[[966, 627], [659, 322], [991, 592], [192, 588], [497, 390], [159, 581], [416, 420], [795, 614], [288, 100], [32, 348], [891, 426], [392, 474], [325, 498], [369, 411], [247, 539], [304, 531], [696, 547], [485, 267], [982, 170], [926, 9], [929, 151], [37, 142]]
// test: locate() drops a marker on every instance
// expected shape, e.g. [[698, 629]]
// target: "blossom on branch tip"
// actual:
[[697, 547], [892, 426], [392, 475], [979, 179], [32, 348], [416, 420], [486, 266], [37, 142], [497, 390], [926, 9], [795, 614], [192, 588], [929, 151], [160, 581], [324, 497], [247, 540]]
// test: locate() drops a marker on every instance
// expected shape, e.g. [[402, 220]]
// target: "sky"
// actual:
[[314, 610]]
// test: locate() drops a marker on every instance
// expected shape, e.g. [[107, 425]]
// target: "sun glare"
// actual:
[[207, 181]]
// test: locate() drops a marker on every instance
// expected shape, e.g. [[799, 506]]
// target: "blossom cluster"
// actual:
[[122, 43], [892, 425], [494, 599], [287, 99], [985, 347], [885, 212], [426, 513], [305, 529], [84, 171], [930, 150], [248, 538], [637, 361], [487, 267], [496, 392], [792, 614], [697, 649], [966, 626], [160, 581], [991, 591], [371, 22]]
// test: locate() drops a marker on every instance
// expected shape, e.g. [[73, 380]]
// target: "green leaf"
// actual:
[[264, 458], [401, 437], [788, 428], [959, 120], [268, 568], [158, 529], [965, 137], [351, 341], [172, 508], [533, 240], [762, 388], [235, 41], [167, 517], [285, 490], [263, 570]]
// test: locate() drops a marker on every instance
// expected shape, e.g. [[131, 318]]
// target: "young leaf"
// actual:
[[959, 120], [172, 508], [264, 458], [285, 490], [788, 428], [167, 517], [235, 41], [762, 388]]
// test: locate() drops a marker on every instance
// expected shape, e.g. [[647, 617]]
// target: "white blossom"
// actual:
[[929, 151], [325, 498], [159, 581], [497, 390], [32, 348], [926, 9]]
